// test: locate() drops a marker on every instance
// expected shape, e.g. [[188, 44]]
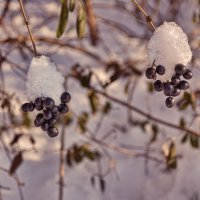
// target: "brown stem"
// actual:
[[62, 164], [27, 25], [148, 18], [91, 19]]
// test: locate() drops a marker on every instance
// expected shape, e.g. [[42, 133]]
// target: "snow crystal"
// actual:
[[169, 46], [43, 79]]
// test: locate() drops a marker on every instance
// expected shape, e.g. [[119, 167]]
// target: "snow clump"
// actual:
[[44, 80], [169, 46]]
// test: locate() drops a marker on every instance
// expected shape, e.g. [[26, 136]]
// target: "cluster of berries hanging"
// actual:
[[173, 87], [50, 112]]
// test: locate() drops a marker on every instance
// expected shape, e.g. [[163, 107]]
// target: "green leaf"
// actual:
[[17, 161], [63, 18], [188, 99], [72, 5], [194, 141], [91, 155], [150, 87], [184, 105], [81, 21], [26, 120], [94, 101], [68, 119], [107, 107]]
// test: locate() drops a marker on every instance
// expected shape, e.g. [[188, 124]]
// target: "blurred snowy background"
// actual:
[[134, 162]]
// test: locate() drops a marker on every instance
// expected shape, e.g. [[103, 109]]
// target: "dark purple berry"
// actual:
[[36, 123], [175, 79], [40, 118], [55, 110], [63, 108], [180, 69], [38, 102], [169, 102], [168, 88], [45, 126], [150, 73], [157, 85], [48, 102], [188, 74], [52, 121], [24, 107], [47, 114], [65, 97], [160, 69], [184, 85], [52, 132], [31, 107], [176, 92], [38, 108]]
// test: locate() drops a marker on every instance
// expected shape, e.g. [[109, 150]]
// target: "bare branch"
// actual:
[[148, 18], [27, 25]]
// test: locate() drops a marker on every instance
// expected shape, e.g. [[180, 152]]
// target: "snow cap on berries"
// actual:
[[169, 46], [43, 79]]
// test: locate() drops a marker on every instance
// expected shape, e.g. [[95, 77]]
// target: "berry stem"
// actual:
[[27, 25], [148, 18]]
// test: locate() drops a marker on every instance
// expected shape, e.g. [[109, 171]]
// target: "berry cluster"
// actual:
[[50, 112], [173, 87]]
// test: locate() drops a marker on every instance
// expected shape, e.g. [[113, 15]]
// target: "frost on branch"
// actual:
[[169, 46], [44, 80]]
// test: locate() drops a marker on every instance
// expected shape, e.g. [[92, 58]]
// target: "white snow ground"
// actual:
[[40, 170]]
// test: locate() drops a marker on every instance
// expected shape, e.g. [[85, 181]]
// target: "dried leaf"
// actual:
[[154, 129], [94, 101], [171, 158], [107, 107], [17, 161], [82, 121], [185, 138], [182, 122], [194, 141], [102, 184], [85, 80], [92, 180], [15, 139], [69, 158], [32, 140]]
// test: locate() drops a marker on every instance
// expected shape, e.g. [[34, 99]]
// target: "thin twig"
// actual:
[[15, 176], [5, 10], [141, 112], [148, 18], [62, 164], [27, 25]]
